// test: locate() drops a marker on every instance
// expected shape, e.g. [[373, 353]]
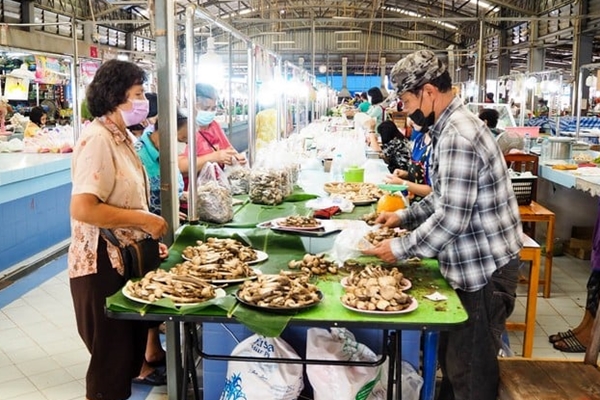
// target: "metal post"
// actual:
[[191, 103], [279, 106], [579, 94], [75, 82], [166, 88], [480, 80], [251, 103], [230, 87]]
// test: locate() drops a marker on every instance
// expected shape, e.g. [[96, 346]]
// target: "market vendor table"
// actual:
[[535, 212], [425, 276]]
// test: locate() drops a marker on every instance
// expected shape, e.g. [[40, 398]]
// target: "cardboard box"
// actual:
[[580, 243]]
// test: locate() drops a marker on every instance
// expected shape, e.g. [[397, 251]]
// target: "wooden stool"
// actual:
[[531, 251]]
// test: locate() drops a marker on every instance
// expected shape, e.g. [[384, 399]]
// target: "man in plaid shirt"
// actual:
[[470, 223]]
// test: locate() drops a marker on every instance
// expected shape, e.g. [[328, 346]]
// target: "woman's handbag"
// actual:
[[139, 257]]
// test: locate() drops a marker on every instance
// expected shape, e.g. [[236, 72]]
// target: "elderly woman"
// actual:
[[110, 190]]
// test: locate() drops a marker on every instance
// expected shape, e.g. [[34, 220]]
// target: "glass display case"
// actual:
[[505, 119]]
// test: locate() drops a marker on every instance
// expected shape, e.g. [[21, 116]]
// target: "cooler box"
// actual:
[[222, 339]]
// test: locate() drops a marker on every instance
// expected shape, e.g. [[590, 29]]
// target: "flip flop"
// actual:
[[560, 336], [571, 345], [155, 378]]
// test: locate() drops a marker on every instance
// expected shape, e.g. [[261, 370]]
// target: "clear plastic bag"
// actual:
[[350, 242], [214, 197], [238, 176], [266, 187]]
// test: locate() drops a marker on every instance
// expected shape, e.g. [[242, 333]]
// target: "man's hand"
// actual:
[[383, 251], [389, 219]]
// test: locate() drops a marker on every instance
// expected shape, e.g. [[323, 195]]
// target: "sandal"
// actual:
[[155, 378], [569, 345], [560, 336]]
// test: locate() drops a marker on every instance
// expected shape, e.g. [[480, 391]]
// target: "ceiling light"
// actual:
[[424, 32], [338, 32], [411, 41], [341, 17], [270, 33], [348, 41], [284, 42]]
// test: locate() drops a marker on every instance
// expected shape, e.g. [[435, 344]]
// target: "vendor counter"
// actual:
[[571, 195], [35, 192]]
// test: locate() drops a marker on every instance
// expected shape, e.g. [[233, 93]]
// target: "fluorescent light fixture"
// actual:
[[353, 31], [411, 41], [424, 32], [347, 48], [221, 43], [485, 5], [283, 42], [270, 33], [341, 17], [348, 41]]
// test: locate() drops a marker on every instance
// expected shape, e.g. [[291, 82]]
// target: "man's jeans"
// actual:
[[468, 355]]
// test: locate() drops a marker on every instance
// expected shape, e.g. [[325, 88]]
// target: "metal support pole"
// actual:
[[480, 79], [166, 88], [75, 82], [251, 104], [191, 102], [231, 111], [279, 106]]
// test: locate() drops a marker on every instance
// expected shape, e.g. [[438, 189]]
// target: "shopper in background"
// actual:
[[489, 97], [416, 176], [211, 143], [491, 117], [37, 120], [577, 339], [470, 223], [542, 109], [364, 104], [376, 110], [394, 147], [110, 190]]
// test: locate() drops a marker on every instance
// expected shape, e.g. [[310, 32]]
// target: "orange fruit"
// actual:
[[390, 202]]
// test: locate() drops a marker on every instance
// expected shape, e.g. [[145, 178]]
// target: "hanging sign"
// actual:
[[49, 70]]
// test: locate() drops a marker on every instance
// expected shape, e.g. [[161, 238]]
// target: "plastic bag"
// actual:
[[262, 380], [412, 382], [359, 383], [350, 242], [266, 187], [238, 176], [214, 198]]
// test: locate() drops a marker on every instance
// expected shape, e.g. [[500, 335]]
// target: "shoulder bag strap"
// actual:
[[209, 143], [110, 236]]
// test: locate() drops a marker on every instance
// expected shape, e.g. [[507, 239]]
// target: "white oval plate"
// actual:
[[413, 306], [238, 280], [218, 293]]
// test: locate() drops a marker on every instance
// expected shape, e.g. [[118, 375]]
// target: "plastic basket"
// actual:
[[523, 188]]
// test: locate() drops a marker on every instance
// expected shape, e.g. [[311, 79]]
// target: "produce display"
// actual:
[[355, 192], [215, 249], [377, 236], [314, 265], [283, 291], [267, 187], [161, 284], [214, 203], [298, 221], [370, 218], [376, 289]]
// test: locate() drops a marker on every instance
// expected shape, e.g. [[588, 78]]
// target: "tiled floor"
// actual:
[[43, 358]]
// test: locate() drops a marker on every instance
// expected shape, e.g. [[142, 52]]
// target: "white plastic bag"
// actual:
[[349, 243], [263, 381], [238, 176], [328, 381], [411, 382], [214, 198]]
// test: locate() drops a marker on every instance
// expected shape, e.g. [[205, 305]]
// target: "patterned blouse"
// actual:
[[104, 164], [397, 154]]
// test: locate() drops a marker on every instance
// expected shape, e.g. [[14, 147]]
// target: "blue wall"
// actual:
[[355, 83], [33, 223]]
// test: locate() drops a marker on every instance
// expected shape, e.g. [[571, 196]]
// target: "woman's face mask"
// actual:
[[204, 118], [137, 114]]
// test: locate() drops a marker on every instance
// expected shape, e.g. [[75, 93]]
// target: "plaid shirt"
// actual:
[[470, 222]]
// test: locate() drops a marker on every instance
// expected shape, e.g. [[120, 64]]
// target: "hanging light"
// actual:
[[210, 66]]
